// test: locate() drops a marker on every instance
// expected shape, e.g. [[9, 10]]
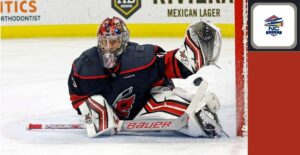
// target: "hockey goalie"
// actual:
[[120, 85]]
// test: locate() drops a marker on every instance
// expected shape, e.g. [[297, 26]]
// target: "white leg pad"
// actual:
[[99, 117]]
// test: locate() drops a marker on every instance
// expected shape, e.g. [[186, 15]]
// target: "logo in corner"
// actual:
[[273, 24], [126, 8]]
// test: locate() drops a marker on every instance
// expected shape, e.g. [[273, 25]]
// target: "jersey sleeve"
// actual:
[[77, 97], [172, 67], [167, 67]]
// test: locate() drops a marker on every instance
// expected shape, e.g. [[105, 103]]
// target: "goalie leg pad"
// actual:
[[164, 104], [168, 104], [211, 101], [200, 121], [207, 117], [99, 117]]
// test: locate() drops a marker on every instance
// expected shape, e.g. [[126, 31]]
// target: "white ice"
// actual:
[[34, 89]]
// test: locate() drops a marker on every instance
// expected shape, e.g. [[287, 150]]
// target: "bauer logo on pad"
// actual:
[[273, 25]]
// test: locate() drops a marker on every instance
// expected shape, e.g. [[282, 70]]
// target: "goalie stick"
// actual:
[[55, 126], [126, 125]]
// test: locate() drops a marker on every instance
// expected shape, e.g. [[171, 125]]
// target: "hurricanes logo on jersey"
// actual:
[[126, 8], [124, 102]]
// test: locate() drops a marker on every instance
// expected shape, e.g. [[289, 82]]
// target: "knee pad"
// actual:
[[199, 124]]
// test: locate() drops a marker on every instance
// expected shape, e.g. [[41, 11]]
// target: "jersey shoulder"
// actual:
[[138, 56], [88, 64], [135, 57]]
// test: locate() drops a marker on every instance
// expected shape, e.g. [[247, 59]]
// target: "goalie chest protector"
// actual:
[[127, 86]]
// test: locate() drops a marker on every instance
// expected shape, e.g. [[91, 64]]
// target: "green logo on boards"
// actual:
[[126, 8]]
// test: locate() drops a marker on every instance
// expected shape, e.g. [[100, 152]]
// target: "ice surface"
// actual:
[[34, 89]]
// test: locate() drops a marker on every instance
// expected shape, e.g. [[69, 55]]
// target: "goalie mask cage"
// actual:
[[241, 20]]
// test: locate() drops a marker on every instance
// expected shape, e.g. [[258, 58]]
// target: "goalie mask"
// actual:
[[113, 37]]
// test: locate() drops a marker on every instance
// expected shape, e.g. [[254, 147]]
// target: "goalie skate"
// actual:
[[207, 120], [206, 116]]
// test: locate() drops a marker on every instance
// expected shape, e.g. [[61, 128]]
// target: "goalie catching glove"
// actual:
[[201, 47]]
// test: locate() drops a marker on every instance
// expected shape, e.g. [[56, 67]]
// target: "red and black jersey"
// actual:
[[126, 87]]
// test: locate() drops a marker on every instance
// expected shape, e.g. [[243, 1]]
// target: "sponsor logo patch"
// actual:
[[273, 24], [126, 8]]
